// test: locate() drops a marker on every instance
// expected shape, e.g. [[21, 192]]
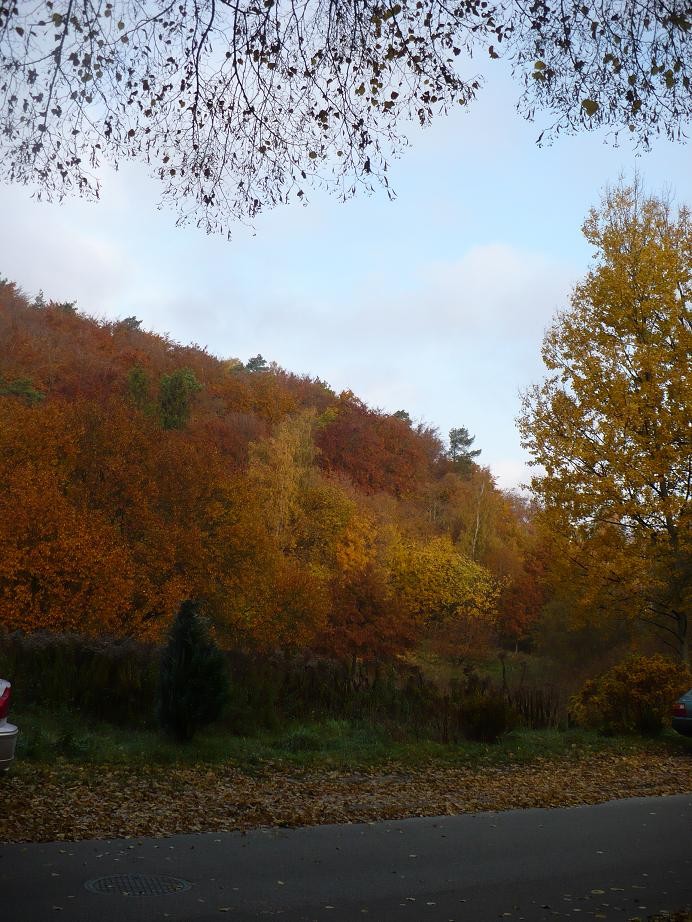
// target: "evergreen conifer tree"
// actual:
[[193, 682]]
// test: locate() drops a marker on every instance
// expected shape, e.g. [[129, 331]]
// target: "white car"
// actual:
[[8, 731]]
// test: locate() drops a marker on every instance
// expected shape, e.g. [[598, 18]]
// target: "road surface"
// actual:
[[615, 861]]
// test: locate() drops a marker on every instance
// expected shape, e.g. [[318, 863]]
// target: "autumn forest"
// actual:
[[388, 535], [139, 473]]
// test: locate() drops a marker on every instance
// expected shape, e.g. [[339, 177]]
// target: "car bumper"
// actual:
[[8, 740], [682, 725]]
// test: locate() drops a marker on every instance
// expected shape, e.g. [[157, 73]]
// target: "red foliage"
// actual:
[[366, 622], [108, 520], [379, 453]]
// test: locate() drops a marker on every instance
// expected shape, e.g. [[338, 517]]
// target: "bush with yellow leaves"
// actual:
[[636, 695]]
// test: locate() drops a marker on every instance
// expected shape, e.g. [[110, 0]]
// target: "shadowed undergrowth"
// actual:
[[326, 743]]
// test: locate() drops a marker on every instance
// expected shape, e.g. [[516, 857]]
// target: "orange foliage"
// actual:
[[62, 567], [275, 501]]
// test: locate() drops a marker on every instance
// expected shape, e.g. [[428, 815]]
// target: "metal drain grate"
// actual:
[[137, 885]]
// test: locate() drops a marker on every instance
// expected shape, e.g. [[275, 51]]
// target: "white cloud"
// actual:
[[43, 249], [498, 290], [511, 473], [449, 340], [492, 292]]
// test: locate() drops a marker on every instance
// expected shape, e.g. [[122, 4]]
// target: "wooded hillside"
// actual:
[[138, 472]]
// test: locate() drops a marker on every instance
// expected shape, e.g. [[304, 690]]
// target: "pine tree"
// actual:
[[193, 681], [460, 452]]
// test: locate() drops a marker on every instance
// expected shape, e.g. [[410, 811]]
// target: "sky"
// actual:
[[435, 303]]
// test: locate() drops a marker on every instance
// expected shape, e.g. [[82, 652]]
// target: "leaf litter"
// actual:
[[68, 802]]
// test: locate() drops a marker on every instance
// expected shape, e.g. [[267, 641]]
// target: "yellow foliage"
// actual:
[[610, 425], [635, 695], [356, 547], [436, 582]]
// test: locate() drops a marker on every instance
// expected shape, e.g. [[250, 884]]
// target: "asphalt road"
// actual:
[[615, 861]]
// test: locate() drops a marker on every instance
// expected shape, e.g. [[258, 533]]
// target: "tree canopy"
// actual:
[[138, 473], [611, 423], [235, 106], [621, 64], [238, 106]]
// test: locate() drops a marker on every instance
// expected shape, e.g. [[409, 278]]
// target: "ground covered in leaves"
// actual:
[[67, 801]]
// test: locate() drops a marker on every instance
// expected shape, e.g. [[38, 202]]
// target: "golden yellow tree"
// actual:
[[302, 516], [442, 590], [611, 423]]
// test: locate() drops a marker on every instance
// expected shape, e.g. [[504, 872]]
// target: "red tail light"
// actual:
[[5, 700], [679, 709]]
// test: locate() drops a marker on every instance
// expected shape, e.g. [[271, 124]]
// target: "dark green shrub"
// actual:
[[118, 680], [474, 709], [193, 683], [484, 718]]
